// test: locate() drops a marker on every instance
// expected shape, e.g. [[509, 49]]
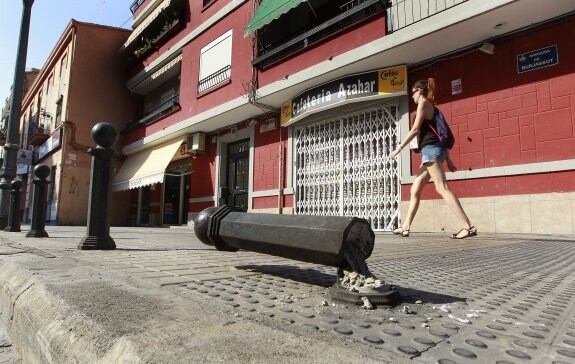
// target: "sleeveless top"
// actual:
[[426, 135]]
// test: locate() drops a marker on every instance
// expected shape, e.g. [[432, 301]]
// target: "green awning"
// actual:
[[268, 11]]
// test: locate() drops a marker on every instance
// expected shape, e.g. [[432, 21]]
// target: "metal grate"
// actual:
[[343, 167]]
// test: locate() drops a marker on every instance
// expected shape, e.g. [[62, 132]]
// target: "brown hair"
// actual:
[[428, 87]]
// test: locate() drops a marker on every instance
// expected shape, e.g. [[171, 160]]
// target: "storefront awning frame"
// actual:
[[146, 167]]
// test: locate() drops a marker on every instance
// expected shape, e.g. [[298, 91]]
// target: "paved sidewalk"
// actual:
[[164, 297]]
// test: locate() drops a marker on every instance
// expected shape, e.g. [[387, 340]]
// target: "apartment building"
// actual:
[[81, 83], [294, 107]]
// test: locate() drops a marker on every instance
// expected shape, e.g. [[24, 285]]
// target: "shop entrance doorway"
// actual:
[[237, 176], [176, 197]]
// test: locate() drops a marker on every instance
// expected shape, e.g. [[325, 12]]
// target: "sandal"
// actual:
[[401, 231], [472, 231]]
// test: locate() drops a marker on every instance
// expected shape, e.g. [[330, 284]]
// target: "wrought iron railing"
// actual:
[[403, 13], [351, 13], [169, 28], [214, 79], [135, 5], [154, 114], [39, 124]]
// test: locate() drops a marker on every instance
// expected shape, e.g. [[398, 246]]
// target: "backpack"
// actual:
[[443, 132]]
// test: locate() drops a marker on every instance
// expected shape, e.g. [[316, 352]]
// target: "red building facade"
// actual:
[[297, 111]]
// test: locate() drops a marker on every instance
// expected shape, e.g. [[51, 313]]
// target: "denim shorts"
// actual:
[[433, 153]]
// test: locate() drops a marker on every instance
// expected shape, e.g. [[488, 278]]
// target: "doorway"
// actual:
[[237, 176], [176, 198]]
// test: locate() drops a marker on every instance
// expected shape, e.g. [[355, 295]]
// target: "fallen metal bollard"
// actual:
[[330, 240]]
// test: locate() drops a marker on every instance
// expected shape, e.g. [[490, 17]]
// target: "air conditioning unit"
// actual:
[[196, 143]]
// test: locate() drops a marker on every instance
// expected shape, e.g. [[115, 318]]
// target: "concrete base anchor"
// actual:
[[377, 292]]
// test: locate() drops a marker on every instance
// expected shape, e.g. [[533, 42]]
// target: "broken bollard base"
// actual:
[[384, 295], [355, 288], [97, 243]]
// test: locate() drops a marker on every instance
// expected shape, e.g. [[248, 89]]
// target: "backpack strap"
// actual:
[[431, 126]]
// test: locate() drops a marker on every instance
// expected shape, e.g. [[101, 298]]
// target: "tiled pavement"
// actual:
[[487, 299]]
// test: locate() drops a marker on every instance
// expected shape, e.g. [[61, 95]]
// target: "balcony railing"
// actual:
[[135, 5], [351, 13], [214, 79], [403, 13], [169, 27], [39, 129], [154, 114]]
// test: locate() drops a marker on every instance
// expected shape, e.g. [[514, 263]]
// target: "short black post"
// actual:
[[100, 199], [40, 202], [14, 213]]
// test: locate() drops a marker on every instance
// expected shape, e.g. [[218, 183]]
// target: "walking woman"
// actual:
[[433, 154]]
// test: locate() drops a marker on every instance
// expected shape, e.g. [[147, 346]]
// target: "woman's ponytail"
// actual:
[[431, 90]]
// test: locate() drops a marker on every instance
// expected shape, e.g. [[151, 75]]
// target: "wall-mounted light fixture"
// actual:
[[487, 48]]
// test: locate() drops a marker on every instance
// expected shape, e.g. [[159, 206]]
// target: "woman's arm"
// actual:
[[419, 116], [450, 165]]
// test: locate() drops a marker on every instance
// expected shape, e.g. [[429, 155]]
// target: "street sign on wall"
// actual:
[[539, 58]]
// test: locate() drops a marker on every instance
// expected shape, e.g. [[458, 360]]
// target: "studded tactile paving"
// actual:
[[503, 304]]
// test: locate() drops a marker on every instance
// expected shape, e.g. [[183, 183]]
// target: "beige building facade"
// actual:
[[80, 85]]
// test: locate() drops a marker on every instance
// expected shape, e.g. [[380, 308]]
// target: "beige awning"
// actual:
[[146, 167], [166, 72], [149, 19]]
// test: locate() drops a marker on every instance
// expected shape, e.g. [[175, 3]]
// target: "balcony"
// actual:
[[326, 21], [404, 13], [170, 27], [39, 129], [156, 113], [135, 5]]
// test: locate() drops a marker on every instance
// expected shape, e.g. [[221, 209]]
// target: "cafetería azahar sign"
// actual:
[[359, 87]]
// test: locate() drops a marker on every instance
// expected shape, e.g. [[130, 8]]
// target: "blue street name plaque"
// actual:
[[540, 58]]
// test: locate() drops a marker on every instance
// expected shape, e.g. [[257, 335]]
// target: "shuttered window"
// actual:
[[215, 62]]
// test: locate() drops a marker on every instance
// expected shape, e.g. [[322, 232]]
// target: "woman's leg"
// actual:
[[420, 182], [438, 176]]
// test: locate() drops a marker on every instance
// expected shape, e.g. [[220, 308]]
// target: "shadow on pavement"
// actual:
[[411, 295], [307, 275]]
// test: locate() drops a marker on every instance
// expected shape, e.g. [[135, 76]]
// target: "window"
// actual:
[[62, 75], [45, 115], [215, 62], [59, 111]]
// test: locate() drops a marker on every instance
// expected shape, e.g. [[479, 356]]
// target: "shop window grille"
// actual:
[[343, 167]]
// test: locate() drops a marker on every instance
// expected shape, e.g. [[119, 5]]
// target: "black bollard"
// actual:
[[14, 212], [341, 242], [40, 202], [100, 203]]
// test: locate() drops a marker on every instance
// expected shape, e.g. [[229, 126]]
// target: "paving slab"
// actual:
[[162, 296]]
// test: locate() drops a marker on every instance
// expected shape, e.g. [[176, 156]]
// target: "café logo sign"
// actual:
[[385, 82]]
